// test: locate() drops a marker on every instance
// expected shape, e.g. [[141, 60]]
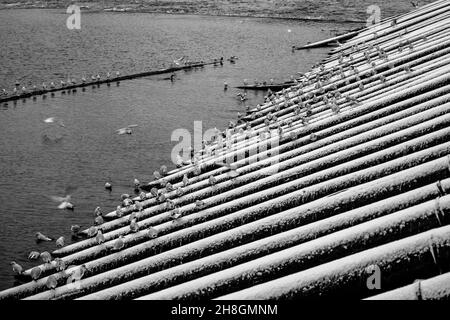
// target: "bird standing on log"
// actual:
[[35, 273], [119, 244], [100, 238], [46, 257], [60, 242], [134, 226]]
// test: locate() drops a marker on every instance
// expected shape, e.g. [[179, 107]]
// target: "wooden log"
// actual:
[[339, 202], [327, 220], [394, 97], [400, 262], [193, 227], [373, 233]]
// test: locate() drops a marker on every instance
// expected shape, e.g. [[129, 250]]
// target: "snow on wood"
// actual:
[[352, 272]]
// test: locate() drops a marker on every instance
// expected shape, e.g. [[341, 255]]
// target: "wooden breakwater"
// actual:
[[346, 171], [38, 92]]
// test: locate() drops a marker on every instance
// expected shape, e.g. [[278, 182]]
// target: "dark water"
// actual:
[[40, 159]]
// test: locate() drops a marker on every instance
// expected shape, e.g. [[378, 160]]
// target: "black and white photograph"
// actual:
[[224, 157]]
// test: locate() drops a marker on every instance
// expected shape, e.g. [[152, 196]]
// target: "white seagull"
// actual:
[[126, 130], [64, 202]]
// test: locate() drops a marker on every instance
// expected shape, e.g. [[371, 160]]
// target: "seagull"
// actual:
[[124, 196], [415, 4], [17, 268], [51, 282], [175, 215], [179, 61], [119, 244], [132, 216], [46, 257], [143, 196], [185, 180], [212, 180], [157, 175], [169, 187], [127, 202], [179, 162], [34, 255], [152, 232], [136, 183], [199, 204], [54, 120], [98, 220], [36, 273], [164, 182], [163, 170], [75, 229], [134, 227], [154, 192], [179, 192], [97, 212], [41, 237], [60, 242], [119, 211], [126, 130], [76, 273], [92, 231], [108, 186], [60, 264], [100, 238], [232, 173], [63, 202]]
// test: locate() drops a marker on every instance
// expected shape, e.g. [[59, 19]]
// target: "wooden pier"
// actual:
[[107, 80], [344, 172]]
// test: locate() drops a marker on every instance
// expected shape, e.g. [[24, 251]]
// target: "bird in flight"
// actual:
[[64, 202], [54, 120], [126, 130]]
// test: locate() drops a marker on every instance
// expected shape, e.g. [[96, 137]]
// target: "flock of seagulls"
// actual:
[[18, 90], [294, 98]]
